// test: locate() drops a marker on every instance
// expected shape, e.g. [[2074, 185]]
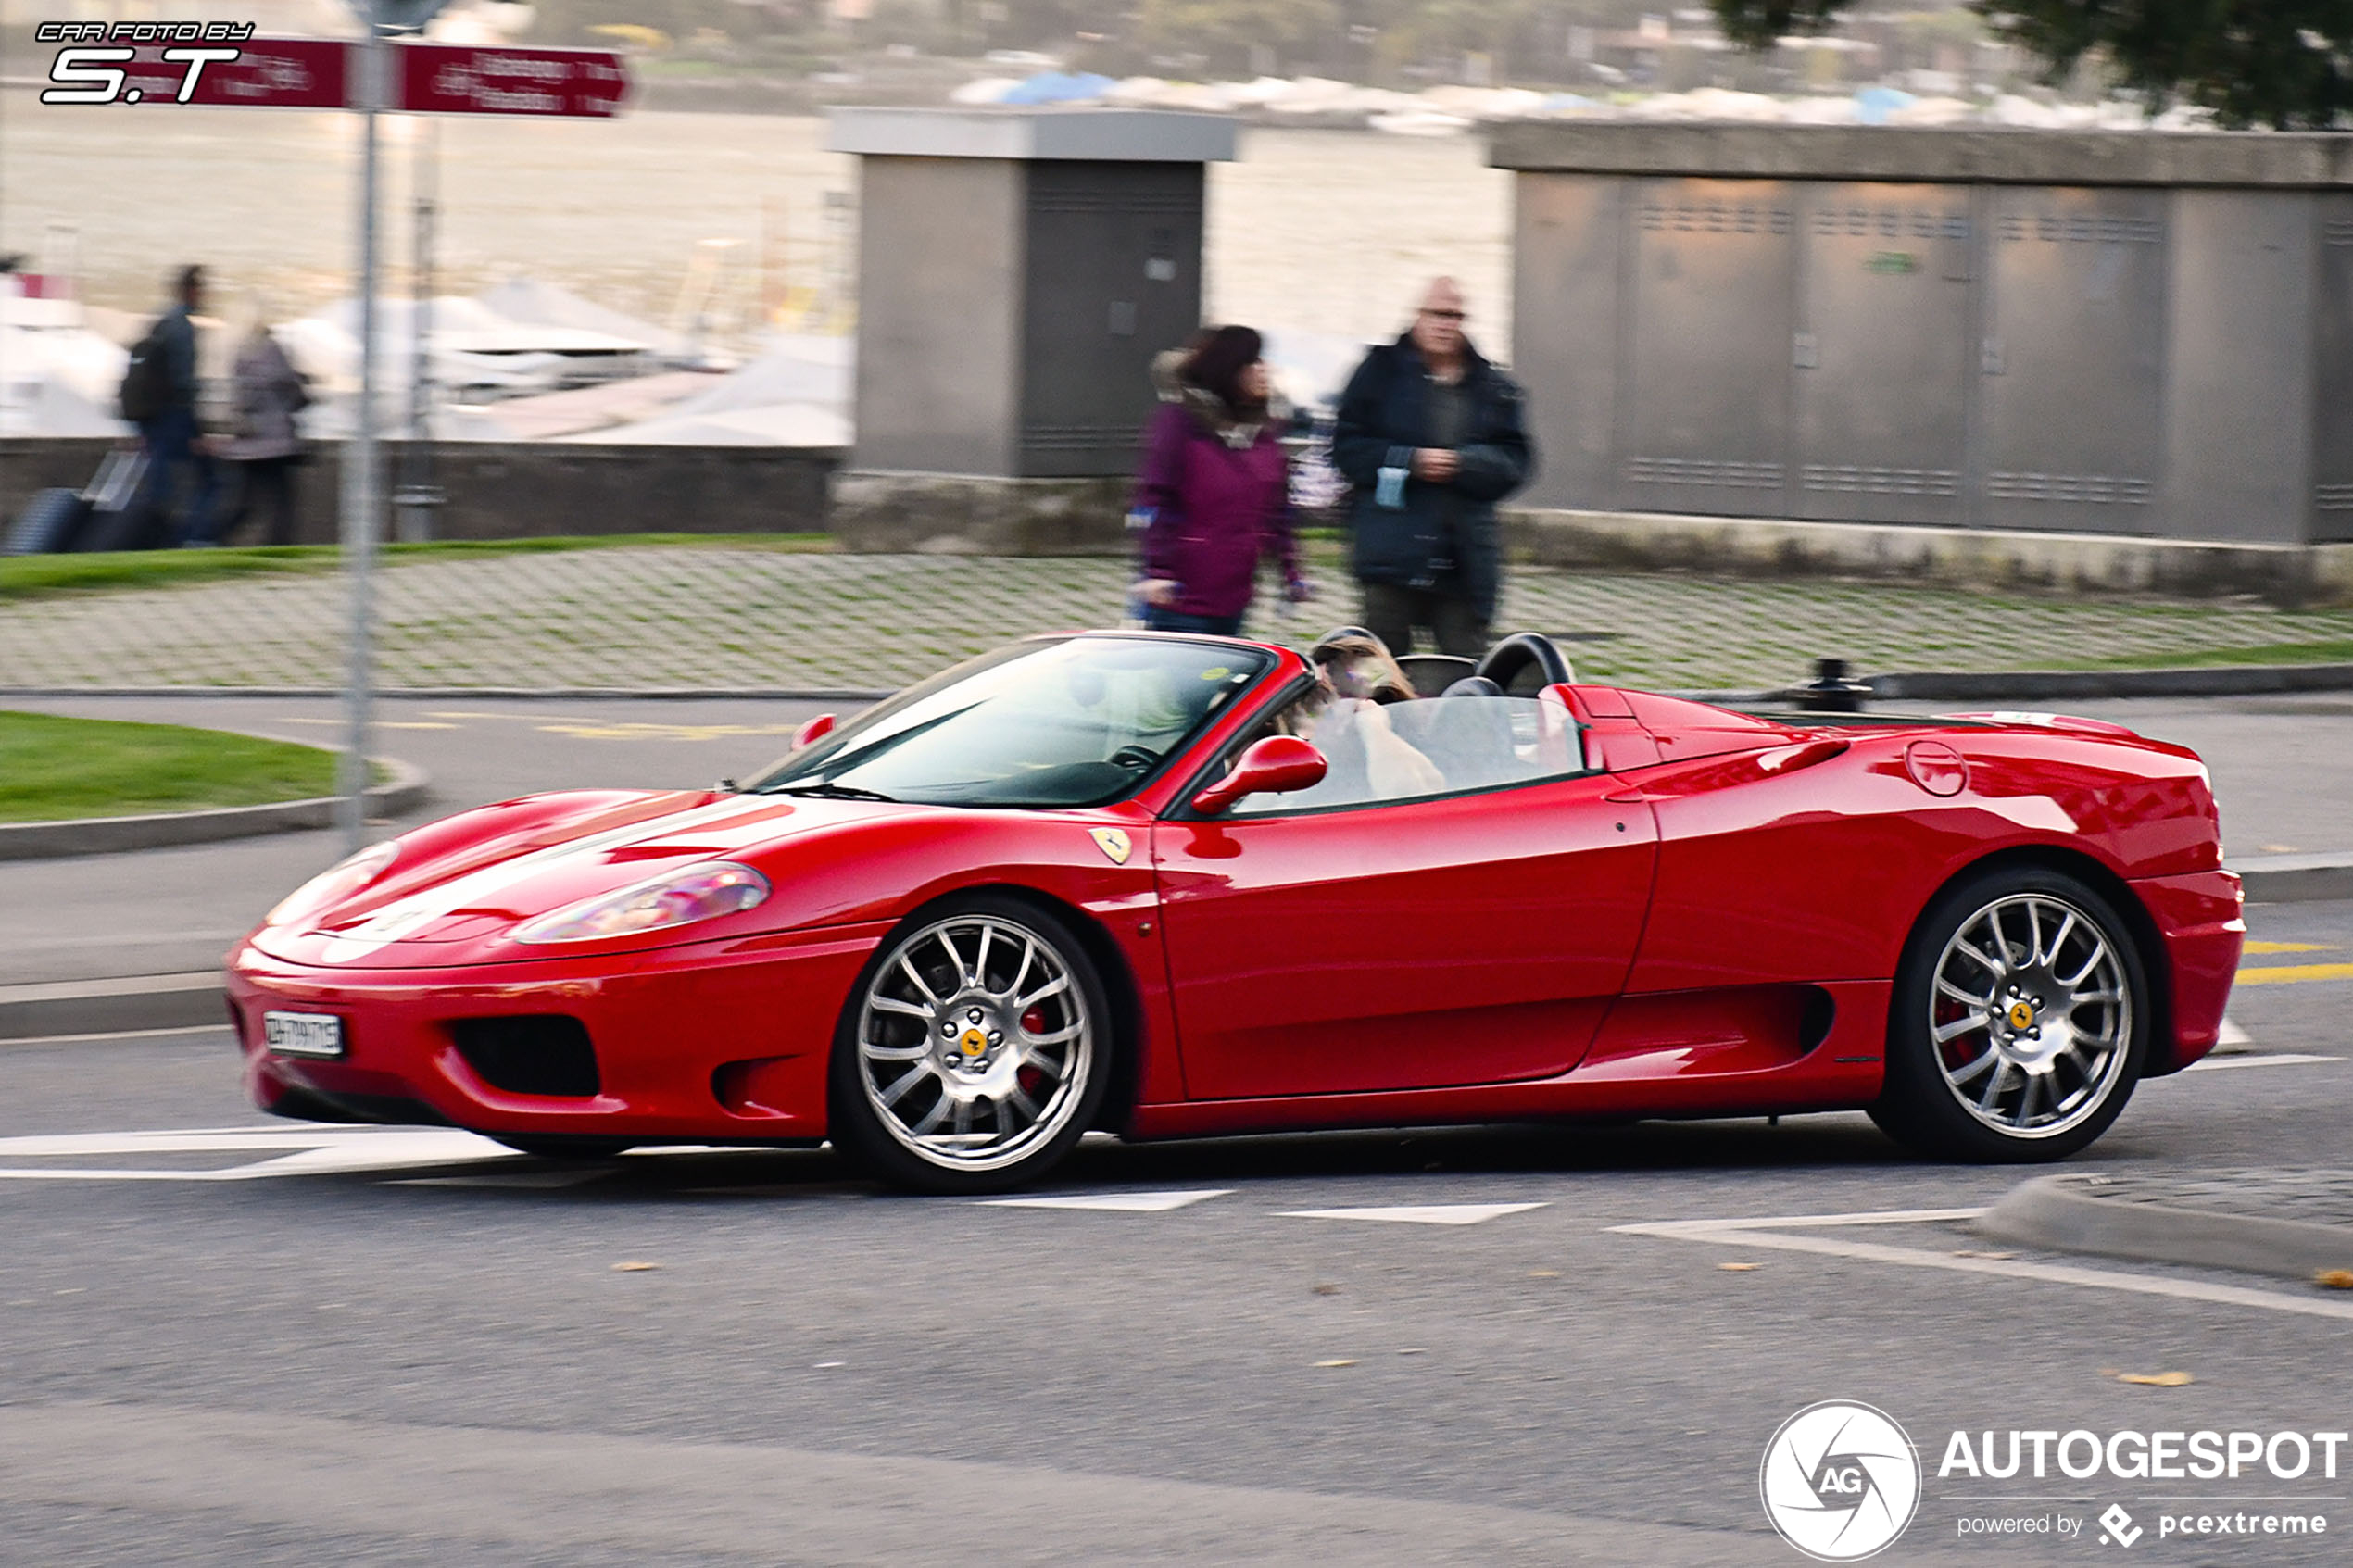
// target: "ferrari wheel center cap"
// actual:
[[974, 1043], [2021, 1015]]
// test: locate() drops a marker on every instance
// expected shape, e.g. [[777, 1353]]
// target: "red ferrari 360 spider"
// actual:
[[1172, 886]]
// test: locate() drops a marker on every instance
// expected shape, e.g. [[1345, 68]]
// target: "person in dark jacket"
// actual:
[[178, 454], [1429, 438], [1213, 491]]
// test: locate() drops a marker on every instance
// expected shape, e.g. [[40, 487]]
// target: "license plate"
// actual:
[[302, 1034]]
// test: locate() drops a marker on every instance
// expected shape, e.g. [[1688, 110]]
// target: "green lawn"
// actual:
[[52, 768], [33, 577]]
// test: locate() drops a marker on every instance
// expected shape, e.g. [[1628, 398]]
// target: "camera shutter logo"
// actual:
[[1840, 1481]]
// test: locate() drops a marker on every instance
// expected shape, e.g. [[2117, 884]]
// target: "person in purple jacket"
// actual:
[[1214, 492]]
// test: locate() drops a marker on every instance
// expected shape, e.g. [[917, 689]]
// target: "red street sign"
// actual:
[[279, 73], [469, 79], [321, 73]]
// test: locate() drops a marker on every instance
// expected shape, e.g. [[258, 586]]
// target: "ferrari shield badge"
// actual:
[[1111, 841]]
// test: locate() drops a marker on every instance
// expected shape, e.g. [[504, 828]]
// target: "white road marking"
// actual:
[[295, 1151], [2232, 1034], [1110, 1202], [219, 1028], [1418, 1214], [2282, 1059], [1770, 1233]]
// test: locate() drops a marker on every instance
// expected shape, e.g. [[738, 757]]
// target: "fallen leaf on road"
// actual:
[[1327, 1290], [1343, 1362], [1739, 1268], [826, 1366], [1966, 1252], [2334, 1279], [634, 1266], [2156, 1379], [1543, 1273], [1412, 1351]]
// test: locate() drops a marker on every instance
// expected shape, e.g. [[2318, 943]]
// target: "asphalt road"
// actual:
[[437, 1359], [400, 1347]]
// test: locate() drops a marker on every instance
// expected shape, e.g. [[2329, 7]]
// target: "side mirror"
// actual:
[[1274, 766], [817, 729]]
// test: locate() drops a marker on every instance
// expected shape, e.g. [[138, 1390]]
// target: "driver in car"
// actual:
[[1346, 717]]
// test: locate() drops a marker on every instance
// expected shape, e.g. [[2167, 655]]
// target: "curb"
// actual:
[[2244, 679], [105, 1006], [549, 694], [2295, 879], [2015, 686], [2066, 1214], [408, 789]]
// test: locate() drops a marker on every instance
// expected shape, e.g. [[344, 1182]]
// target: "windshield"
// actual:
[[1077, 722]]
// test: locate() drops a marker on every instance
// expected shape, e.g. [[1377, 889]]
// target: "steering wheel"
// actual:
[[1134, 755], [1510, 662]]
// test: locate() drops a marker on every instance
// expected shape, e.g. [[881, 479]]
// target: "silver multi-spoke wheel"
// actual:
[[975, 1042], [2030, 1015]]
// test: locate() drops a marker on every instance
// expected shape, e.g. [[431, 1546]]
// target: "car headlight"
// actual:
[[679, 898], [334, 884]]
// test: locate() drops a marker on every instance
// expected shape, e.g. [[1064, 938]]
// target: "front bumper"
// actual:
[[713, 1041]]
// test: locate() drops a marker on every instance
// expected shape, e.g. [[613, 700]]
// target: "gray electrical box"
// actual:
[[1017, 271], [2118, 333]]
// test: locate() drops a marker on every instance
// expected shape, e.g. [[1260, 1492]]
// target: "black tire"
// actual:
[[564, 1146], [999, 1059], [2084, 1054]]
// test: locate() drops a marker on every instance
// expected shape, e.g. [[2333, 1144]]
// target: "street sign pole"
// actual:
[[362, 481], [416, 498]]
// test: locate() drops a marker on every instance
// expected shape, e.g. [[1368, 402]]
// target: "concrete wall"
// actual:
[[501, 490]]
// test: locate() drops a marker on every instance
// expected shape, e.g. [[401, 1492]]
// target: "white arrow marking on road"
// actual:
[[1418, 1214], [296, 1150], [1110, 1202]]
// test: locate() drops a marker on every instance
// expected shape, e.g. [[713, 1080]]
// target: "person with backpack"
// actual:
[[158, 395], [1212, 493]]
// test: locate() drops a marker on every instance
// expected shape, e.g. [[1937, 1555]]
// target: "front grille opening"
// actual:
[[529, 1053]]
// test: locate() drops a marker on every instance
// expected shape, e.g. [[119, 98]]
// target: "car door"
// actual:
[[1461, 937]]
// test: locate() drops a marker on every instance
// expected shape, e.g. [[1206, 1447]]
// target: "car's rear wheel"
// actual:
[[974, 1050], [2020, 1020]]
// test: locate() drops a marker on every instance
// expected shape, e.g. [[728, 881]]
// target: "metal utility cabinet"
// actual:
[[2123, 332], [1017, 270]]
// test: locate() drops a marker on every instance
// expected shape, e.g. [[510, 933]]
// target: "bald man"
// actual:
[[1429, 439]]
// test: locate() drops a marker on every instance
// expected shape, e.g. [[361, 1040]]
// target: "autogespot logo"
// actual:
[[1840, 1481]]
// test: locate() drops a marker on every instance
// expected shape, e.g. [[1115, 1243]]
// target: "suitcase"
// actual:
[[49, 525], [121, 516]]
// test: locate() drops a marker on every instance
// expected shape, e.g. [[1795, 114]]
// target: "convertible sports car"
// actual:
[[1171, 886]]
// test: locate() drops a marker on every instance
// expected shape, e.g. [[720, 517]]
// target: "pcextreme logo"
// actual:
[[1840, 1481]]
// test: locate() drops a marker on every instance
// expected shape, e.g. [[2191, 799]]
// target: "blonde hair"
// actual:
[[1390, 683]]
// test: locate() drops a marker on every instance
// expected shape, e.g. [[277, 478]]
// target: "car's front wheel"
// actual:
[[2019, 1019], [974, 1052]]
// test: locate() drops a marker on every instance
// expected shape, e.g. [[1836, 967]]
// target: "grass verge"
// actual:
[[53, 768], [33, 577]]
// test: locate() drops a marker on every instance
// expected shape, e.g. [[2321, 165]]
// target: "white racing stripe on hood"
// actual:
[[405, 917]]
